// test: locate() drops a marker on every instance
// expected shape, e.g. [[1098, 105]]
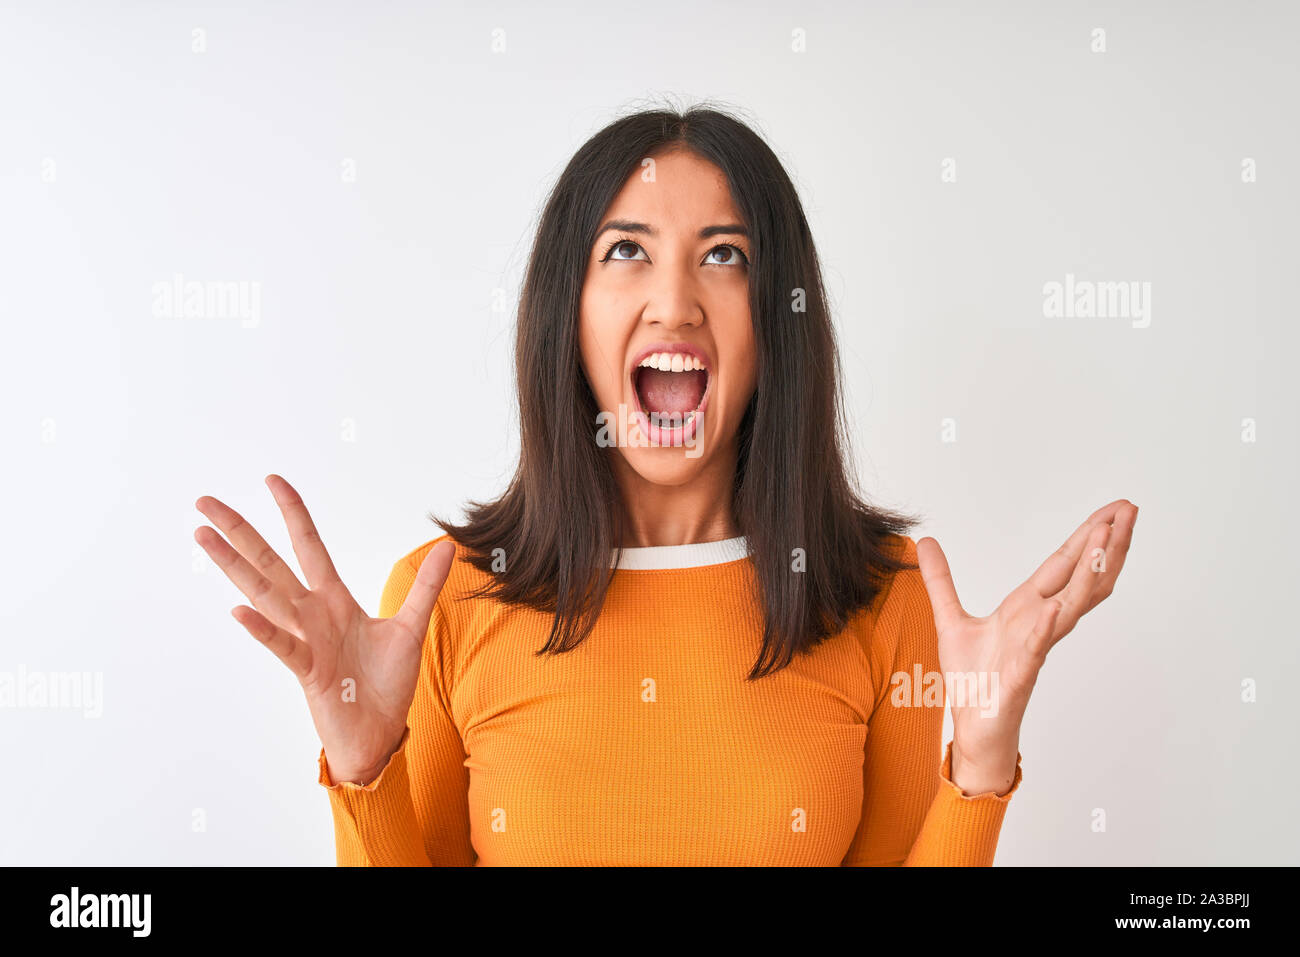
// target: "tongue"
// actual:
[[672, 392]]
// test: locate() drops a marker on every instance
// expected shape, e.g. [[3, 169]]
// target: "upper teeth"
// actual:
[[671, 362]]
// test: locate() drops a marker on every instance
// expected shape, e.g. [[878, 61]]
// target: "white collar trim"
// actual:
[[694, 555]]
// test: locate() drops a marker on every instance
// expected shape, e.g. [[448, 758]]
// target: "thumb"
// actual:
[[938, 584], [416, 610]]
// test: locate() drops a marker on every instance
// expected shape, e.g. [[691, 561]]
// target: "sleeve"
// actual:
[[912, 812], [417, 811]]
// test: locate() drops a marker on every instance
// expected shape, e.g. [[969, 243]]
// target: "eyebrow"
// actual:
[[629, 226]]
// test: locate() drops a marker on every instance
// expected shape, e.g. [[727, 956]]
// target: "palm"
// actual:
[[358, 673], [355, 658], [1006, 650]]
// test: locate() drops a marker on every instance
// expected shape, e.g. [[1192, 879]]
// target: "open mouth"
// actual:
[[671, 386]]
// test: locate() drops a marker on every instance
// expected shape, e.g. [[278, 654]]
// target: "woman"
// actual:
[[679, 637]]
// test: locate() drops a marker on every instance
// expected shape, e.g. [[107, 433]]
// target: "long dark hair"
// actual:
[[558, 520]]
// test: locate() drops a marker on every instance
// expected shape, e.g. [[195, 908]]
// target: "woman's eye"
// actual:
[[732, 256], [624, 246]]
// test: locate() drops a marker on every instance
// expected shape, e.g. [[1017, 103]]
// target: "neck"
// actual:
[[697, 511]]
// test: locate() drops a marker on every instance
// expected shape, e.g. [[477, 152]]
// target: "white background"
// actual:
[[127, 158]]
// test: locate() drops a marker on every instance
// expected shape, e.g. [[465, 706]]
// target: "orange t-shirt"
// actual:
[[646, 745]]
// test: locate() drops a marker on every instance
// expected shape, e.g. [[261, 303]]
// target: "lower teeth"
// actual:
[[672, 421]]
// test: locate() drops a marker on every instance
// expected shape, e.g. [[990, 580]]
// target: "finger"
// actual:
[[292, 651], [1076, 595], [307, 544], [250, 544], [1052, 575], [413, 616], [257, 588], [1121, 537], [939, 584]]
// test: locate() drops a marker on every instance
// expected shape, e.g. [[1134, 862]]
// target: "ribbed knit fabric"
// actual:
[[645, 745]]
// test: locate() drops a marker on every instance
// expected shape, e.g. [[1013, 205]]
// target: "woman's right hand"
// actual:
[[359, 673]]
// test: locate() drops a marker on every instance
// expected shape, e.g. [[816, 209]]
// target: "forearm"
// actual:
[[375, 823]]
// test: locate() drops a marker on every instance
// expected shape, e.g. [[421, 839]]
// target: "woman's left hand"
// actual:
[[1006, 650]]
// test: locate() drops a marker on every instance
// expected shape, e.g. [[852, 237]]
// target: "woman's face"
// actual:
[[664, 321]]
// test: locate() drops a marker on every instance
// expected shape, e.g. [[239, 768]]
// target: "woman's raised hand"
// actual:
[[359, 673], [1007, 649]]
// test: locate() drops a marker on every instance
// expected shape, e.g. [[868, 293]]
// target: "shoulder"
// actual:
[[898, 586], [415, 557], [900, 620], [462, 578]]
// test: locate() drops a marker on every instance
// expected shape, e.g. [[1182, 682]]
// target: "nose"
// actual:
[[673, 299]]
